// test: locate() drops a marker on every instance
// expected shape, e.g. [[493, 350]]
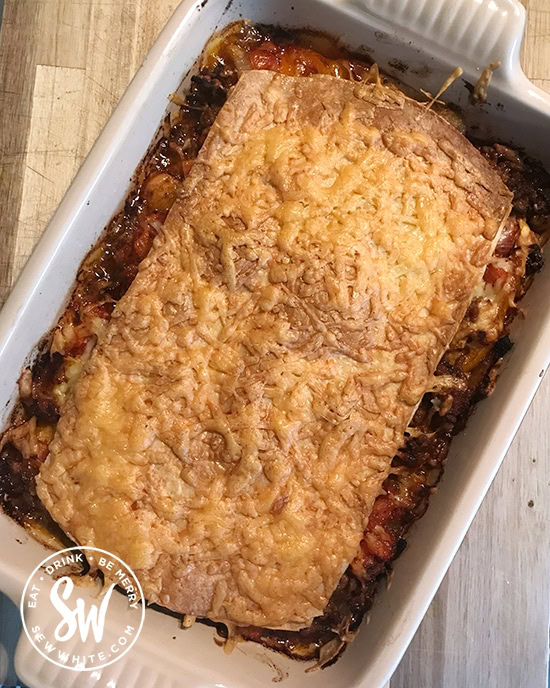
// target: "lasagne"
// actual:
[[257, 403]]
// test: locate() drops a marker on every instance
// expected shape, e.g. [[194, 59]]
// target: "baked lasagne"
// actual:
[[257, 378]]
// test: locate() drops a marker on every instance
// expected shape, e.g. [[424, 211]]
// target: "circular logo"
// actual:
[[79, 622]]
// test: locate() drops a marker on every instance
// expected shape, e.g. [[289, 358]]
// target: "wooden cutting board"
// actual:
[[63, 66]]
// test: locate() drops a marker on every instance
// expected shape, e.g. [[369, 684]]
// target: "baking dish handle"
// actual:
[[471, 33]]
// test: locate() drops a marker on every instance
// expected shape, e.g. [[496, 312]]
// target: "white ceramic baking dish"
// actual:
[[430, 37]]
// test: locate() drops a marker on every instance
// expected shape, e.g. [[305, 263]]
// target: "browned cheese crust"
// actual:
[[232, 429]]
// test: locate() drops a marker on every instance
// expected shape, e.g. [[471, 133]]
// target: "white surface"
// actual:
[[38, 298]]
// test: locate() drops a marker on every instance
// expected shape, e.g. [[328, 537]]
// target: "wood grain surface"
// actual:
[[63, 66]]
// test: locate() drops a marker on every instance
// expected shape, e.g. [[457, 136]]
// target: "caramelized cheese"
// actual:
[[235, 422]]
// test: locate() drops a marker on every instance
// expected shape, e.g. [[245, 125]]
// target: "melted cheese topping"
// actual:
[[233, 426]]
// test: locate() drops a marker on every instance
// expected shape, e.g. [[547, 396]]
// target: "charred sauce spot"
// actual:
[[527, 180], [399, 65], [535, 260]]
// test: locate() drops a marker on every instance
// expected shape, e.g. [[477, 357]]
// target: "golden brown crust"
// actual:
[[233, 426]]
